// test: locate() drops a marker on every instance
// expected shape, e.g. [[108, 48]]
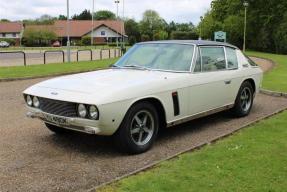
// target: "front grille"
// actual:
[[61, 108]]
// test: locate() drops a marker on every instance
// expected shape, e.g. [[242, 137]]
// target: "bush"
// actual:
[[182, 35], [145, 37], [86, 40], [132, 40], [41, 37], [161, 35]]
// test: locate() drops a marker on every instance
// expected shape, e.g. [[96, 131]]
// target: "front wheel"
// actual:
[[244, 100], [138, 129]]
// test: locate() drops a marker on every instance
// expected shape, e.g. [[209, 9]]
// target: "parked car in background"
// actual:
[[154, 85], [56, 44], [4, 44]]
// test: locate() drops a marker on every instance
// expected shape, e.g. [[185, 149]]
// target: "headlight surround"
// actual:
[[36, 102], [82, 111], [93, 112], [29, 100]]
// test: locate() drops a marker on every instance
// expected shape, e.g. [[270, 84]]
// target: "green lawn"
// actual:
[[254, 159], [276, 79], [52, 69]]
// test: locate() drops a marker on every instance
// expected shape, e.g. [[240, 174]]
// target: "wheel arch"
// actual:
[[252, 82], [157, 103]]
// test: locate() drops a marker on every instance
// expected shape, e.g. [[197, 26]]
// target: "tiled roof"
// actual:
[[10, 27], [78, 28]]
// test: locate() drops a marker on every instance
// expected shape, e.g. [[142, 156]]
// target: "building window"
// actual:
[[103, 33], [14, 34], [3, 34]]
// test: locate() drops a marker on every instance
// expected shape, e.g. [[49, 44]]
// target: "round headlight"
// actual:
[[82, 111], [93, 112], [29, 100], [36, 102]]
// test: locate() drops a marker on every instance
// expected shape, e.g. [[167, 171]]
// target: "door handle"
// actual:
[[227, 82]]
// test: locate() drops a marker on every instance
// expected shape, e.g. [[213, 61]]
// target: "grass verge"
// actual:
[[52, 69], [253, 159], [275, 80]]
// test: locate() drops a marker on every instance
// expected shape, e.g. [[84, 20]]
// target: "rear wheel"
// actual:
[[138, 129], [244, 100], [56, 129]]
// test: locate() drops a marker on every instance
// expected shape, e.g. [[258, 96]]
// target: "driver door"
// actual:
[[210, 81]]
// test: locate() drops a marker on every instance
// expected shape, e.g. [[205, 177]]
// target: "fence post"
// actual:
[[22, 52], [63, 55]]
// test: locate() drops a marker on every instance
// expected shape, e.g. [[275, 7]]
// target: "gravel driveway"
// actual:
[[34, 159]]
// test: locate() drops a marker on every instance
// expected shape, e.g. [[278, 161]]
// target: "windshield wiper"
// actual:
[[136, 67], [113, 66]]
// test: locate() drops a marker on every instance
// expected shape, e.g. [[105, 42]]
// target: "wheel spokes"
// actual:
[[140, 137], [138, 120], [136, 130], [142, 127]]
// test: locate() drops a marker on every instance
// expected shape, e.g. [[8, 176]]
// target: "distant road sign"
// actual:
[[220, 36]]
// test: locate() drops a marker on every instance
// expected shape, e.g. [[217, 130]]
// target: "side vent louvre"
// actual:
[[175, 103]]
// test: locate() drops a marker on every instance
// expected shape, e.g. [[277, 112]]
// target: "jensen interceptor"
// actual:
[[154, 85]]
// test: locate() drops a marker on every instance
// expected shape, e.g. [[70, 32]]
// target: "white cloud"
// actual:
[[177, 10]]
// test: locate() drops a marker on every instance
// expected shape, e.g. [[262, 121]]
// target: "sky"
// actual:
[[170, 10]]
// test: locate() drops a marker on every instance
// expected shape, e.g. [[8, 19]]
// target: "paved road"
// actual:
[[34, 159], [37, 57]]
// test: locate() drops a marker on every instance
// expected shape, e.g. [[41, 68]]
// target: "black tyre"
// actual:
[[244, 100], [138, 130], [56, 129]]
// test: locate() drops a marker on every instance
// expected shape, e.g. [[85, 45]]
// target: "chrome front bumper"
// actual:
[[76, 124]]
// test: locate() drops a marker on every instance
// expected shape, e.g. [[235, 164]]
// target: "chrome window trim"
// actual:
[[217, 46], [225, 55]]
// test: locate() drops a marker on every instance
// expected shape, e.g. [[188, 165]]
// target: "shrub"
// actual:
[[145, 37], [182, 35], [86, 40], [38, 37]]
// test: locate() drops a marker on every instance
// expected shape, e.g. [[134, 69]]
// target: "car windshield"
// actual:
[[158, 56]]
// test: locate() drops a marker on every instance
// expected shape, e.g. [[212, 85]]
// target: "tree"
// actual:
[[132, 31], [161, 35], [38, 37], [4, 20], [104, 15], [266, 23], [43, 20], [62, 17], [183, 35], [152, 23], [85, 15]]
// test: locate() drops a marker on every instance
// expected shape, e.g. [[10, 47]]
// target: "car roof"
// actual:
[[196, 42]]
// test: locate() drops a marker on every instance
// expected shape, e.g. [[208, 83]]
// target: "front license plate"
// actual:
[[56, 120]]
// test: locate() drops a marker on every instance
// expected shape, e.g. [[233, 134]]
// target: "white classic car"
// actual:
[[155, 84]]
